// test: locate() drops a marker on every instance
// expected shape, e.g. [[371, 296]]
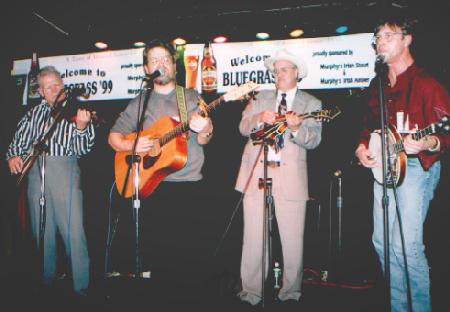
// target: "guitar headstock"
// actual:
[[325, 114], [443, 125], [240, 91]]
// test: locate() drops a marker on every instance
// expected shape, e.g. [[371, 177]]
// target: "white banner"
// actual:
[[345, 61], [333, 62], [105, 75]]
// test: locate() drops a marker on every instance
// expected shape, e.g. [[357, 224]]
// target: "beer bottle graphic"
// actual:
[[33, 96], [209, 70], [180, 76]]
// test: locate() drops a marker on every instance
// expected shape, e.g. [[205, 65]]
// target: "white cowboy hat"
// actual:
[[285, 55]]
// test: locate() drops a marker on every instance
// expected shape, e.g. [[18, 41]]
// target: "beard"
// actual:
[[164, 80]]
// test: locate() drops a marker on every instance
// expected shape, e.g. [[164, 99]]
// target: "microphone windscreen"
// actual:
[[381, 59]]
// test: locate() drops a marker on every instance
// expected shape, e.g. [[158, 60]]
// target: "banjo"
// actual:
[[398, 158]]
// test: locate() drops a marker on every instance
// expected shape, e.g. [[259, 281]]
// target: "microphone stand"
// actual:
[[267, 220], [134, 160], [39, 150], [42, 213], [381, 70], [339, 203], [335, 252]]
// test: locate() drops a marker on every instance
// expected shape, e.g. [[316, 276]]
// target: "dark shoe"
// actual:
[[82, 298], [239, 305], [289, 302], [289, 305]]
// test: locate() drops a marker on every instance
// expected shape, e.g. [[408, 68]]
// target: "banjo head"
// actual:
[[395, 158]]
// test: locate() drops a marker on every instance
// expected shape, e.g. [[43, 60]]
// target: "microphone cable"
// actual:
[[110, 232]]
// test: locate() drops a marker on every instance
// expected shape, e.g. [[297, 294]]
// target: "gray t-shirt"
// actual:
[[166, 105]]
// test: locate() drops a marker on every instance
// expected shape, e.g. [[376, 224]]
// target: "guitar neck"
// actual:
[[178, 130], [184, 126]]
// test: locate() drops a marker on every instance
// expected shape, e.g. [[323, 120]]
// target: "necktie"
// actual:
[[283, 106]]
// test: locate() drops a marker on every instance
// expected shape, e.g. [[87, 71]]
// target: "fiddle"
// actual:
[[70, 114], [69, 107], [66, 108]]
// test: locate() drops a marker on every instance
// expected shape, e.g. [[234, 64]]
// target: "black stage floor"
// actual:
[[120, 294], [349, 292]]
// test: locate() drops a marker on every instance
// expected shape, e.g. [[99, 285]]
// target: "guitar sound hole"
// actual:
[[149, 161]]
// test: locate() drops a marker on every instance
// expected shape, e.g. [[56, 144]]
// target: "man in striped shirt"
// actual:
[[63, 198]]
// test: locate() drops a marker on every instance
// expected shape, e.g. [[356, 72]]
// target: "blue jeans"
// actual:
[[414, 196]]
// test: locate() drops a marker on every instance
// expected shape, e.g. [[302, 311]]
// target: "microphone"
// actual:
[[381, 59], [380, 64], [158, 72]]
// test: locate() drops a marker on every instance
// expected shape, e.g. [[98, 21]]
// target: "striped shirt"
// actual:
[[66, 140]]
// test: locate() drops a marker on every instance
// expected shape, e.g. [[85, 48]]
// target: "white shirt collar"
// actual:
[[290, 95]]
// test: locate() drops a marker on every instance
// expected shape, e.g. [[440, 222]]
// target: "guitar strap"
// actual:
[[181, 100], [182, 110]]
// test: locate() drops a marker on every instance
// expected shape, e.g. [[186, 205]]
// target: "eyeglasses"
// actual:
[[58, 86], [387, 35], [166, 60], [277, 71]]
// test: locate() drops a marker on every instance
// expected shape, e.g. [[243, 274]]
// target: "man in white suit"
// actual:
[[288, 169]]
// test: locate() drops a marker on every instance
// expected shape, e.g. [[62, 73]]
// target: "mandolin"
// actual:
[[270, 132]]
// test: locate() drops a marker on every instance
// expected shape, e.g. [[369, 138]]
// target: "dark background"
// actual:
[[24, 34]]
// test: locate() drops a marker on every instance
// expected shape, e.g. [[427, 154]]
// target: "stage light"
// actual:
[[139, 44], [296, 33], [101, 45], [341, 29], [262, 35], [179, 41], [220, 39]]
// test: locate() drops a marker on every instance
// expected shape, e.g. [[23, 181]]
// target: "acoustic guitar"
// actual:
[[174, 151], [398, 157]]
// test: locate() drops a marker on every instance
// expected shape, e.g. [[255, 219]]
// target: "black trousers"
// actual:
[[179, 236]]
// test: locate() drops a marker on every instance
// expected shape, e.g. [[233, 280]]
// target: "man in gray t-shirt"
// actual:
[[166, 105], [176, 214], [163, 102]]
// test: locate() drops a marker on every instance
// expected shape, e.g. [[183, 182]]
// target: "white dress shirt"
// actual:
[[290, 95]]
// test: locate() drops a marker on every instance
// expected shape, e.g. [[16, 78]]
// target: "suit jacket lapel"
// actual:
[[297, 104], [271, 101]]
